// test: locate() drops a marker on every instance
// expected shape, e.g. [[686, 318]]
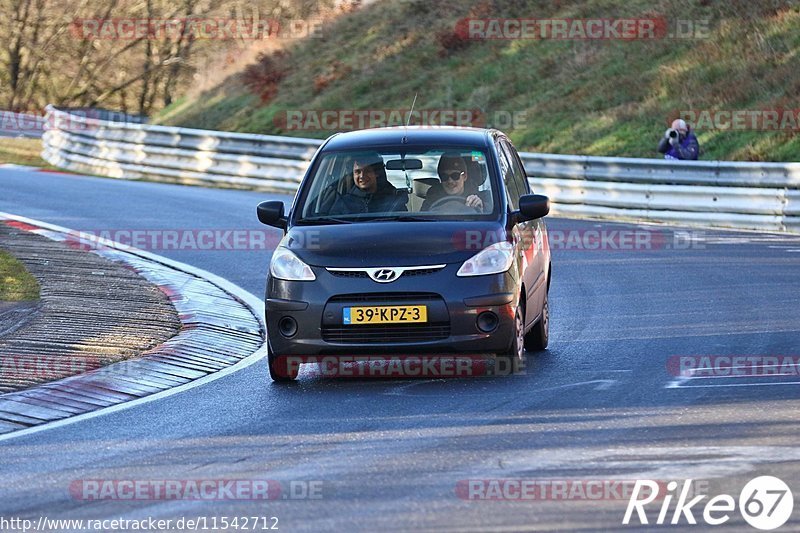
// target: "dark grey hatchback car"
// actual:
[[420, 241]]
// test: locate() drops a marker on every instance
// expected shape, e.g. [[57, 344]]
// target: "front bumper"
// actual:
[[453, 302]]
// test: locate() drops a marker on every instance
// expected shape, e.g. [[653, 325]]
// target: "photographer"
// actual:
[[679, 142]]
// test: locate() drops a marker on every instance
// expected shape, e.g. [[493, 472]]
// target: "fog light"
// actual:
[[487, 321], [287, 326]]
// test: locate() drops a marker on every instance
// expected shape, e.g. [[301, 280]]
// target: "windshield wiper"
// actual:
[[403, 218], [326, 220], [395, 218]]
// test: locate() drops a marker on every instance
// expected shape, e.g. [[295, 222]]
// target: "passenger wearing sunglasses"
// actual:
[[453, 189]]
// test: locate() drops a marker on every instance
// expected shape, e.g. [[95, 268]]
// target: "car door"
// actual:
[[520, 233], [531, 233]]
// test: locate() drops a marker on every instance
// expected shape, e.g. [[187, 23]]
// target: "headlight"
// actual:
[[495, 259], [286, 265]]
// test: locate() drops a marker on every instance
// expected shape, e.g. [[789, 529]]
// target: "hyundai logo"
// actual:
[[385, 275]]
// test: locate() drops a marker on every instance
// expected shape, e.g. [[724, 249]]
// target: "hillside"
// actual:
[[585, 96]]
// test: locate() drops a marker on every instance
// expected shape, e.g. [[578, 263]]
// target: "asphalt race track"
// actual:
[[600, 404]]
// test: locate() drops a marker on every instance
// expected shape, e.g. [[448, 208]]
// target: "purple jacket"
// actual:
[[687, 148]]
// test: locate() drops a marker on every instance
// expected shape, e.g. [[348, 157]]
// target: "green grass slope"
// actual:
[[16, 283], [597, 97]]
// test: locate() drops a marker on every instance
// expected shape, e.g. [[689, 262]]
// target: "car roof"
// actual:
[[414, 135]]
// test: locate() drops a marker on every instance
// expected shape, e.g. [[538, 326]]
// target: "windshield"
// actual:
[[424, 183]]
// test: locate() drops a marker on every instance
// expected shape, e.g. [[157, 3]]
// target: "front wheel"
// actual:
[[513, 360], [537, 338], [281, 369]]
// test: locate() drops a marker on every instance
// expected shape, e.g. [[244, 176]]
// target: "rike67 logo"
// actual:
[[765, 503]]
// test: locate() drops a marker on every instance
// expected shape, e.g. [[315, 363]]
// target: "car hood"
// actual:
[[376, 244]]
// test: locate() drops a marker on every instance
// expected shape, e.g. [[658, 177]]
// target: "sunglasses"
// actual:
[[454, 175]]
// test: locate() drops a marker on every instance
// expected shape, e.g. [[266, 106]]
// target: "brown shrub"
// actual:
[[263, 76], [336, 71]]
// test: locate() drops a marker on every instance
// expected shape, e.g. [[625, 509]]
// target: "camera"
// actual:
[[673, 134]]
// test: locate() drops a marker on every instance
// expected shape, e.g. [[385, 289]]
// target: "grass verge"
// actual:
[[16, 283], [22, 151]]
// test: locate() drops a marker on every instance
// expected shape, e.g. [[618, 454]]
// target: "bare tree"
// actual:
[[48, 56]]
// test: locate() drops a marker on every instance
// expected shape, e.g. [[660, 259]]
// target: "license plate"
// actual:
[[385, 314]]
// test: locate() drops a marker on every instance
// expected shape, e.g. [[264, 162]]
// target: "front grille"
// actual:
[[348, 274], [388, 298], [421, 271], [386, 333], [360, 274]]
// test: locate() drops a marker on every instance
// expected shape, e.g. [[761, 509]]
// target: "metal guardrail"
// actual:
[[763, 196], [141, 151]]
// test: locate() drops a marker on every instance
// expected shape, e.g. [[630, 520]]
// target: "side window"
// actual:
[[507, 171], [520, 178]]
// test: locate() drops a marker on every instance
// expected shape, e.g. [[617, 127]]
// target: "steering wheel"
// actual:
[[455, 199]]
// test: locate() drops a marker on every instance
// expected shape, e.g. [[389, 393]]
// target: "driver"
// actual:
[[452, 172]]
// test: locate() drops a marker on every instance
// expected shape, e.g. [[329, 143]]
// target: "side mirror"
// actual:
[[532, 206], [271, 214]]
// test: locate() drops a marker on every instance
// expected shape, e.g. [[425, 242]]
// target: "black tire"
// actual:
[[537, 338], [278, 370], [513, 360]]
